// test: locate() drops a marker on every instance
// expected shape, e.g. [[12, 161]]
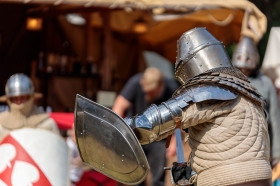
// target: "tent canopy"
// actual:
[[166, 20], [216, 12]]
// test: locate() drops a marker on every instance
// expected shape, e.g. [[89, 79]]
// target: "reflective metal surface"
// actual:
[[179, 147], [107, 143], [197, 52], [246, 54], [19, 84], [147, 126], [207, 92]]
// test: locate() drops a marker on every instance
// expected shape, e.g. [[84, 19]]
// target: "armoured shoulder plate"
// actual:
[[227, 79], [199, 93]]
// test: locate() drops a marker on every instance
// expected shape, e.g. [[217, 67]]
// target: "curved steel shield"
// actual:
[[107, 143]]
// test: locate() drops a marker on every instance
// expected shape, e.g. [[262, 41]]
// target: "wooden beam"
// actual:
[[107, 53]]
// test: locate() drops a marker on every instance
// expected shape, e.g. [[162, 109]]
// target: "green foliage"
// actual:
[[230, 48]]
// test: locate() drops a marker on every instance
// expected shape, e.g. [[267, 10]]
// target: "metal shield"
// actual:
[[108, 144]]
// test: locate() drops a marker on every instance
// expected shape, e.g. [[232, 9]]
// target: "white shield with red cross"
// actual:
[[33, 157]]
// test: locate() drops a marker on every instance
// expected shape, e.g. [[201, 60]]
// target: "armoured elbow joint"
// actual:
[[147, 125]]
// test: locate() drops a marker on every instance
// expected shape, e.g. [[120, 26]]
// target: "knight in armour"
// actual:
[[20, 97], [222, 111]]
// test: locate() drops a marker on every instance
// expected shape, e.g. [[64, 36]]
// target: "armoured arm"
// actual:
[[158, 122]]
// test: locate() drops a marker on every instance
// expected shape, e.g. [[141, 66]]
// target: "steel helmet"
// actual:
[[198, 51], [246, 54], [17, 85]]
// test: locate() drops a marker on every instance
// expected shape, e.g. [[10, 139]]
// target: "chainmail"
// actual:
[[229, 77], [228, 70]]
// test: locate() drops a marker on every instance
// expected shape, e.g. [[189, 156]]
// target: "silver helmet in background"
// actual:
[[246, 54], [198, 51], [19, 84]]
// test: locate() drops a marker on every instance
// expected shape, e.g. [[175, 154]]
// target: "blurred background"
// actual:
[[93, 47]]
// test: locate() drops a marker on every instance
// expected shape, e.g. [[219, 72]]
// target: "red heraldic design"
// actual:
[[17, 167]]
